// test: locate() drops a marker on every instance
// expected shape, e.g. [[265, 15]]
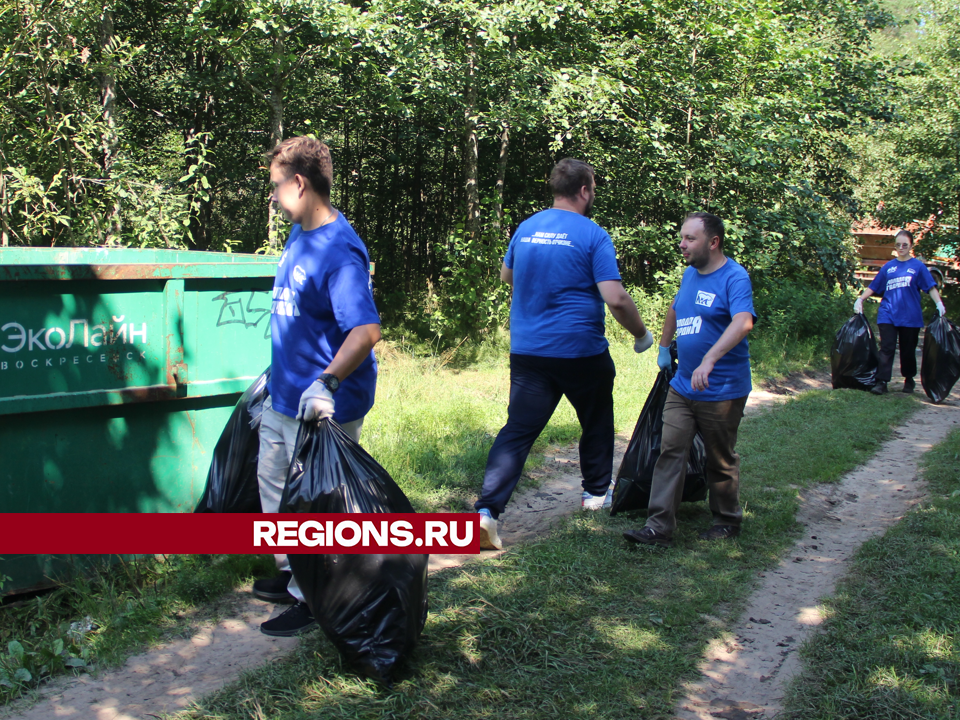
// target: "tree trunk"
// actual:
[[501, 178], [276, 135], [108, 99], [471, 155], [693, 77], [4, 213], [204, 114]]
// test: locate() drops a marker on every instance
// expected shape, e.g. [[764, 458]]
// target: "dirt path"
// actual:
[[746, 672], [169, 678]]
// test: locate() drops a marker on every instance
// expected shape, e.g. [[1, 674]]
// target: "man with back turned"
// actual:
[[563, 268]]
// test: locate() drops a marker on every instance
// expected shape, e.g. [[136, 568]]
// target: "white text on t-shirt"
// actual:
[[689, 325]]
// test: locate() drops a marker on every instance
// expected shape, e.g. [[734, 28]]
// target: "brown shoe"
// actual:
[[720, 532], [648, 536]]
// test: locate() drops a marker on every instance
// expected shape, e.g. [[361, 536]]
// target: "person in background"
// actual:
[[711, 316], [563, 268], [899, 282], [324, 325]]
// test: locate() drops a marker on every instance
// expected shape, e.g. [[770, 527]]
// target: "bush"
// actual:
[[796, 311]]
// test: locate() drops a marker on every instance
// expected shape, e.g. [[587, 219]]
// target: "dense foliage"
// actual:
[[909, 157], [144, 123]]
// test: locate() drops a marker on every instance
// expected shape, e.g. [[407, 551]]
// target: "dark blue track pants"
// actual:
[[536, 386]]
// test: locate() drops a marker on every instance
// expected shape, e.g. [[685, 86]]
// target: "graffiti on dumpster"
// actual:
[[237, 307]]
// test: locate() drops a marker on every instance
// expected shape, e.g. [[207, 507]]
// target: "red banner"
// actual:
[[237, 534]]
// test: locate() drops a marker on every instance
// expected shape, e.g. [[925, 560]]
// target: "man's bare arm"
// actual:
[[622, 307], [355, 349], [669, 327]]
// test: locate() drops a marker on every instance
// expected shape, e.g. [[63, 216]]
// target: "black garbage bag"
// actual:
[[232, 478], [372, 607], [635, 476], [940, 362], [854, 356]]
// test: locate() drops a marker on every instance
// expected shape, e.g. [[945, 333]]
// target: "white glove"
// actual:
[[858, 306], [643, 343], [315, 403], [941, 309], [664, 361]]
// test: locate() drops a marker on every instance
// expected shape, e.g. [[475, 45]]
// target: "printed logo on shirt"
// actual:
[[284, 303], [912, 271], [689, 325], [299, 274], [283, 257], [892, 269], [547, 238], [899, 282], [704, 298]]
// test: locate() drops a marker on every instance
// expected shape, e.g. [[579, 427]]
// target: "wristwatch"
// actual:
[[331, 381]]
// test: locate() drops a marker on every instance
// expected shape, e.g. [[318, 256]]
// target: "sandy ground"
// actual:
[[168, 678], [746, 671]]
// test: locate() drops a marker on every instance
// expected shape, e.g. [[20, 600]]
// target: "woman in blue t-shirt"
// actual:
[[900, 318]]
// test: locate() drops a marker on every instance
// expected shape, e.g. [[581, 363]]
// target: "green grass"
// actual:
[[579, 624], [437, 413], [436, 416], [890, 648], [117, 608], [774, 357]]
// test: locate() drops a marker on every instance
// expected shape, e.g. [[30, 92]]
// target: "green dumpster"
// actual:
[[118, 371]]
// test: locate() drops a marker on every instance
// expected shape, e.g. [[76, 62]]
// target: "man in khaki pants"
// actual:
[[711, 316]]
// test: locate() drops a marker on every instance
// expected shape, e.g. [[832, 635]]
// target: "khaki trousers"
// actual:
[[718, 422]]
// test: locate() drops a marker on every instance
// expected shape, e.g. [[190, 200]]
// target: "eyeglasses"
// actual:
[[902, 245]]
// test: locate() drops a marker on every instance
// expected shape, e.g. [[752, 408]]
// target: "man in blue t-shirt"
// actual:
[[324, 325], [563, 268], [710, 316]]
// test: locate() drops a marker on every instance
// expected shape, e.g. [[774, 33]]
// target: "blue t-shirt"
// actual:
[[705, 306], [557, 258], [322, 291], [900, 284]]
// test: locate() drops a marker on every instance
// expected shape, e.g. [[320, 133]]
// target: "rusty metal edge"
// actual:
[[145, 271]]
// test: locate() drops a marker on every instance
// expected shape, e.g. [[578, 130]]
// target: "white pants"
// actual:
[[278, 439]]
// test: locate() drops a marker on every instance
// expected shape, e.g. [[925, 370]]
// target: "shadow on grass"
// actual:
[[889, 648], [444, 471], [579, 624], [576, 625]]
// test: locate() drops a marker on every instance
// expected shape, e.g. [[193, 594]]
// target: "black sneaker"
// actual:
[[720, 532], [295, 620], [908, 385], [273, 589], [648, 536], [879, 389]]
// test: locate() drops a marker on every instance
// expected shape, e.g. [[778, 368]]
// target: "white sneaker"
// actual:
[[596, 502], [489, 540]]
